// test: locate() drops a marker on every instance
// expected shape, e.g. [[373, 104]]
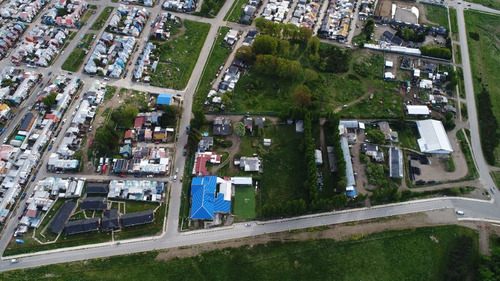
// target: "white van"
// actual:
[[460, 213], [176, 171], [175, 178]]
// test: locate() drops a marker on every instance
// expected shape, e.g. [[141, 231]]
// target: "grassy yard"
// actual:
[[485, 59], [179, 55], [74, 61], [383, 105], [244, 203], [138, 206], [437, 15], [391, 255], [217, 57], [236, 10], [284, 167], [495, 4], [102, 19]]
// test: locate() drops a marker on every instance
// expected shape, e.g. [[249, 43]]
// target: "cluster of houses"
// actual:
[[73, 11], [110, 55], [22, 10], [147, 3], [128, 20], [144, 65], [392, 39], [40, 46], [161, 26], [180, 5], [338, 16], [62, 158], [15, 87], [250, 11], [276, 11], [44, 195], [10, 33], [136, 190], [142, 161], [20, 155], [49, 190], [306, 13]]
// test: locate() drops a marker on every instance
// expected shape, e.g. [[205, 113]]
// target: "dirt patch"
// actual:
[[336, 232]]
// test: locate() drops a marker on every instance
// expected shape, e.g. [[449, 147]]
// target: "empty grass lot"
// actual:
[[383, 105], [86, 16], [496, 177], [392, 255], [244, 202], [76, 58], [437, 15], [178, 56], [485, 59], [102, 19], [236, 10], [284, 166]]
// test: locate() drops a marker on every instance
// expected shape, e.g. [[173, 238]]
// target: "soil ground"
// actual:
[[336, 232]]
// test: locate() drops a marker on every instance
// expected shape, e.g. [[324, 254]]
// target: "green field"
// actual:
[[494, 4], [496, 177], [178, 56], [391, 255], [437, 15], [244, 203], [236, 10], [485, 61], [102, 19]]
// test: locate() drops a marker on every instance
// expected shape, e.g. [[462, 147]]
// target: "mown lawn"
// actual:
[[485, 58], [392, 255], [244, 202], [178, 56], [103, 17], [437, 15], [383, 105], [453, 22]]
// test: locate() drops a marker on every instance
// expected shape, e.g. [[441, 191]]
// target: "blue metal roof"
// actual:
[[164, 99], [203, 201]]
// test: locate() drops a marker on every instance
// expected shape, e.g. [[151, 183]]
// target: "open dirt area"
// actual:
[[337, 232]]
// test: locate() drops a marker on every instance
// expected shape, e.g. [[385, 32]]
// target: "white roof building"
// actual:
[[418, 110], [433, 138]]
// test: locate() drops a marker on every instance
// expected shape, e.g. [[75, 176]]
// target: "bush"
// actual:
[[436, 52], [474, 35], [488, 126]]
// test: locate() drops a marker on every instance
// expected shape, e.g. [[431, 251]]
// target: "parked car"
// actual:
[[182, 178], [90, 128], [50, 147], [460, 213], [123, 176], [3, 131], [91, 142], [23, 196]]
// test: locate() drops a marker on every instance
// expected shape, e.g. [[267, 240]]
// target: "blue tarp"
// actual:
[[204, 204], [164, 99]]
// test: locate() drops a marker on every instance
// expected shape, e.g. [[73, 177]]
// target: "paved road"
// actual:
[[474, 209]]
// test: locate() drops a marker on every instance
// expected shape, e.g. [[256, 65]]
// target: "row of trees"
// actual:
[[409, 34], [436, 52], [288, 208], [283, 31], [278, 67], [312, 170]]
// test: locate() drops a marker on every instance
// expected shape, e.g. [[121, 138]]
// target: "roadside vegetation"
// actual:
[[431, 253], [177, 57], [485, 62], [236, 11], [494, 4], [102, 19], [453, 22], [210, 8]]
